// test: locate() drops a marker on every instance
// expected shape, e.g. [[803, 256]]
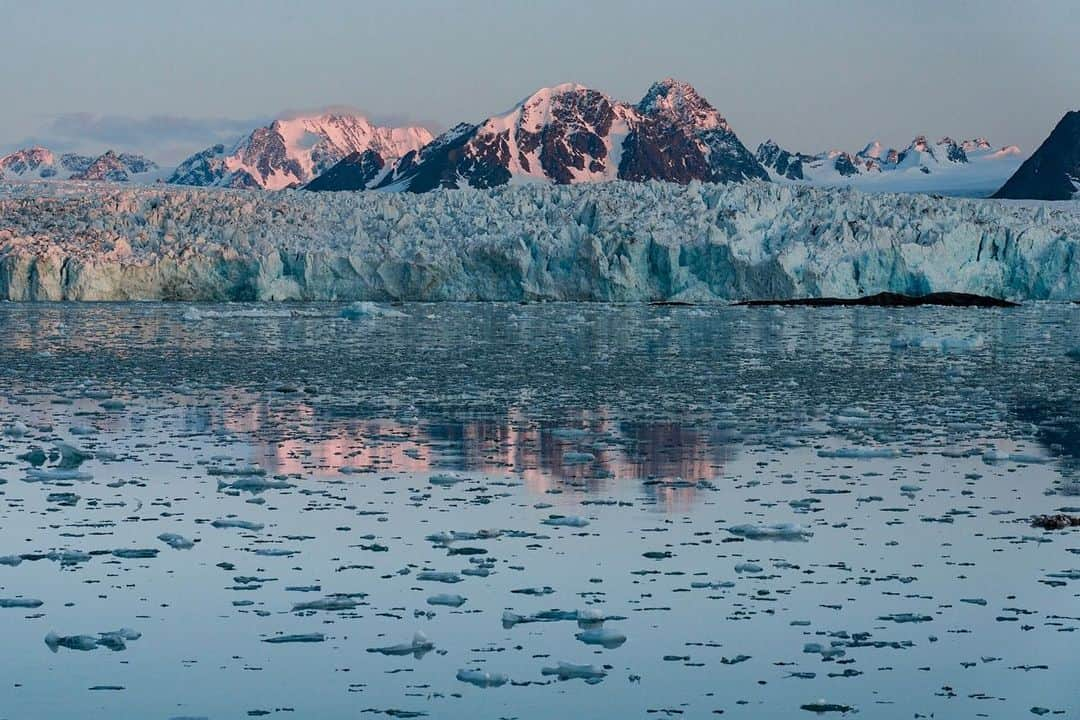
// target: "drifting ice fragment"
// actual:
[[176, 542], [604, 637], [419, 647], [446, 600], [783, 531], [482, 679], [569, 671]]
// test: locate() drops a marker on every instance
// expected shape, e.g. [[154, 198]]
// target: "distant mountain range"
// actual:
[[949, 167], [38, 163], [290, 153], [571, 134]]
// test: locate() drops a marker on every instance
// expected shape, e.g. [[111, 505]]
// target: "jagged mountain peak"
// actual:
[[948, 166], [294, 149], [682, 103], [572, 133], [40, 163]]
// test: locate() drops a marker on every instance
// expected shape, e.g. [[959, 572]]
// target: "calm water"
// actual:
[[901, 452]]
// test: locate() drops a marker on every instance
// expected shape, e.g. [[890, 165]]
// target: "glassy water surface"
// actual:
[[757, 513]]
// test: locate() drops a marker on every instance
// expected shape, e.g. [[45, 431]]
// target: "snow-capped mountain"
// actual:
[[948, 167], [291, 152], [38, 163], [571, 133], [1053, 172]]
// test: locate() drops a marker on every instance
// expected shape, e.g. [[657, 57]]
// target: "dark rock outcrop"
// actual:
[[1053, 171], [887, 299]]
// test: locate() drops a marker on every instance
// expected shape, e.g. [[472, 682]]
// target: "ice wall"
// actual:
[[602, 242]]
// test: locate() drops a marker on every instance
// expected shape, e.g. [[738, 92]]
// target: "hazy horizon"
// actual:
[[812, 76]]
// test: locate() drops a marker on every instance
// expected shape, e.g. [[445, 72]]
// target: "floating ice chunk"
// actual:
[[176, 542], [445, 480], [246, 470], [276, 552], [584, 618], [993, 456], [362, 310], [437, 576], [482, 679], [194, 314], [71, 642], [783, 531], [419, 647], [826, 653], [853, 453], [938, 342], [298, 638], [605, 637], [332, 603], [254, 483], [748, 567], [115, 640], [445, 538], [569, 671], [135, 553], [233, 523], [71, 456], [578, 458], [52, 475], [906, 618], [712, 585], [29, 603], [566, 521], [10, 560], [16, 429], [447, 600], [824, 707]]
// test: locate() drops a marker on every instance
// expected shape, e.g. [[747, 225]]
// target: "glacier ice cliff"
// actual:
[[600, 242]]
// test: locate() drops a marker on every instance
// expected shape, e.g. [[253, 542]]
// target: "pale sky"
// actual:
[[168, 78]]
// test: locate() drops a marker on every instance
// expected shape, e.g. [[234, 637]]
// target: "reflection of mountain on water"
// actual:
[[1057, 423], [585, 453]]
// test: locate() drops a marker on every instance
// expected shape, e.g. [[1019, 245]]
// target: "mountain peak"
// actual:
[[682, 103], [294, 149], [1053, 171]]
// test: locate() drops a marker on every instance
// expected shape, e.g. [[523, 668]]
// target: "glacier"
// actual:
[[613, 242]]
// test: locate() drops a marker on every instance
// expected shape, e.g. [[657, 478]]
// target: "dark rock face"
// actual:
[[786, 164], [573, 134], [356, 171], [112, 167], [266, 152], [203, 168], [573, 139], [660, 150], [436, 165], [1053, 172], [845, 166], [888, 299], [678, 136], [75, 163], [954, 152]]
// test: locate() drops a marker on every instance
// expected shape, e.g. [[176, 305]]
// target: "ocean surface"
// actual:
[[536, 511]]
